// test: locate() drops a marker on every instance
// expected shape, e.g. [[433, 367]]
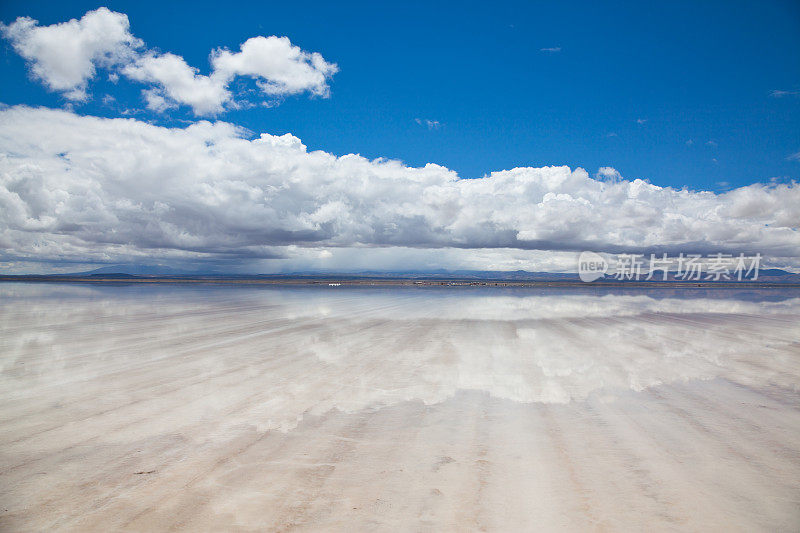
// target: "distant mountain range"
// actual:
[[770, 275], [143, 270]]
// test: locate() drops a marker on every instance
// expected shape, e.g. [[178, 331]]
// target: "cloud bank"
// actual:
[[81, 188], [66, 56]]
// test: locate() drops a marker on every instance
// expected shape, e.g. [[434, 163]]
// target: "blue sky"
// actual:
[[696, 72], [207, 136]]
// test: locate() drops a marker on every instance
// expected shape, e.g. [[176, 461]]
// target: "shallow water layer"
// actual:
[[333, 408]]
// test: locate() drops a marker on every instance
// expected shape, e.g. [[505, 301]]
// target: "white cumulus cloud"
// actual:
[[177, 82], [66, 56], [278, 66], [81, 188]]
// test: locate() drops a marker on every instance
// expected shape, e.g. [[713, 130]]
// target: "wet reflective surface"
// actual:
[[320, 408]]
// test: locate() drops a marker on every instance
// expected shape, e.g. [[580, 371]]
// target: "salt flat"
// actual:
[[328, 409]]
